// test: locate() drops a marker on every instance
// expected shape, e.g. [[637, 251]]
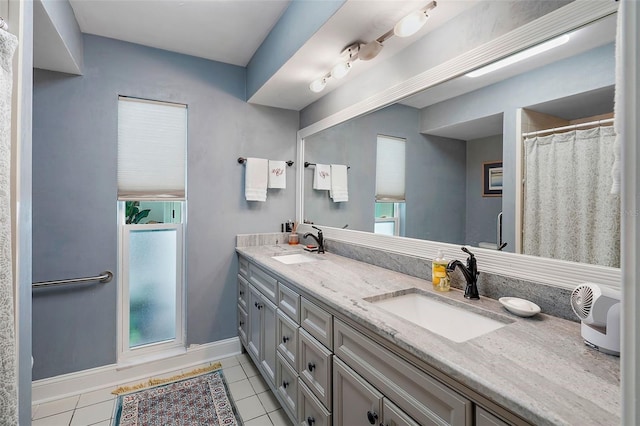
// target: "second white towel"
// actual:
[[322, 177], [339, 186], [277, 174]]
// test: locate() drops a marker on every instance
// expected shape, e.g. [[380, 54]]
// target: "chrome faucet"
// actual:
[[319, 239], [470, 273]]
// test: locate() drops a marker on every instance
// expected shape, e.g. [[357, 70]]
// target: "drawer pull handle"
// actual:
[[285, 384], [311, 366], [310, 420], [285, 339], [372, 416]]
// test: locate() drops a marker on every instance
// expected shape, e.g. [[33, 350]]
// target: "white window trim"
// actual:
[[395, 219], [172, 347]]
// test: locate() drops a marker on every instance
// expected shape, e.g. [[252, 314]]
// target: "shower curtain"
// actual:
[[8, 374], [570, 212]]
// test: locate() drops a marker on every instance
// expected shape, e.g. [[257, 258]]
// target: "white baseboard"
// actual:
[[114, 375]]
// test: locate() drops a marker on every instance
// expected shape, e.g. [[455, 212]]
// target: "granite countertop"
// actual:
[[537, 367]]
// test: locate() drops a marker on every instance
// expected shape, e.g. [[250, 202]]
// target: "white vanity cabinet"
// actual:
[[324, 371]]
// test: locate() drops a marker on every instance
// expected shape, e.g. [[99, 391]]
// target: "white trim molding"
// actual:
[[541, 270], [114, 375]]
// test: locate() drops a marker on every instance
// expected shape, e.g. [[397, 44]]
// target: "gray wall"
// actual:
[[74, 192], [481, 212], [433, 166], [585, 72]]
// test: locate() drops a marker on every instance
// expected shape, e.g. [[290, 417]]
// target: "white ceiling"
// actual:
[[227, 31], [231, 31]]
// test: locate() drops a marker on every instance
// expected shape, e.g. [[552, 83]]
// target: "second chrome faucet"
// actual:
[[470, 272]]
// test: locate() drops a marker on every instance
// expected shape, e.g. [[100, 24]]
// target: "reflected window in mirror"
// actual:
[[388, 219]]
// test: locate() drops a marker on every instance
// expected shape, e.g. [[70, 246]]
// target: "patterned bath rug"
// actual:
[[200, 397]]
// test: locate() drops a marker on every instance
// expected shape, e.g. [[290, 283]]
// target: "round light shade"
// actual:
[[340, 70], [410, 24], [369, 50], [318, 85]]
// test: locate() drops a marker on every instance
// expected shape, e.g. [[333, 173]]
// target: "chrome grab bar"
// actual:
[[104, 277]]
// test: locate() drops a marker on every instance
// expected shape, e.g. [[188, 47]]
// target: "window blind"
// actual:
[[390, 169], [152, 140]]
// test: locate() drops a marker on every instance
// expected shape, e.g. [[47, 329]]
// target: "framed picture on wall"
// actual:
[[492, 179]]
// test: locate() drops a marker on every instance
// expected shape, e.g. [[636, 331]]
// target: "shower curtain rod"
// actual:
[[570, 127]]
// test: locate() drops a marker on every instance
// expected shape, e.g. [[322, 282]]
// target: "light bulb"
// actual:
[[340, 70], [410, 24], [318, 85]]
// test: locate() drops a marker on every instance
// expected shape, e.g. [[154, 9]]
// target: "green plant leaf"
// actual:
[[140, 215]]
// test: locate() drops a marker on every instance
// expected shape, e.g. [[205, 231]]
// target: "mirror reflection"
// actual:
[[446, 164]]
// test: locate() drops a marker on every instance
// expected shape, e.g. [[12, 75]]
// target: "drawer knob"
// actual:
[[310, 420], [241, 323], [311, 366], [241, 293], [285, 339], [285, 384], [372, 416]]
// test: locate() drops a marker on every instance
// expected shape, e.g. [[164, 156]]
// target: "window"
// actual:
[[151, 205], [390, 185]]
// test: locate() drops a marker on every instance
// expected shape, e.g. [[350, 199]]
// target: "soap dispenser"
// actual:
[[439, 276]]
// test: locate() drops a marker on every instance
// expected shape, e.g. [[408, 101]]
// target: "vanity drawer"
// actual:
[[243, 325], [287, 383], [422, 397], [485, 418], [289, 302], [315, 367], [317, 321], [310, 411], [287, 338], [243, 266], [264, 282], [243, 292]]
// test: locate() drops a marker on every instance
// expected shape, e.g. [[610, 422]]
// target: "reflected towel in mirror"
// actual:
[[339, 187], [322, 177]]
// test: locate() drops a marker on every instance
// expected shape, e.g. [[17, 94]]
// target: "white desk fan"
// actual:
[[599, 309]]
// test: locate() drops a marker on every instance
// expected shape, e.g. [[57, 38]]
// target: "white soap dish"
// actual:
[[520, 307]]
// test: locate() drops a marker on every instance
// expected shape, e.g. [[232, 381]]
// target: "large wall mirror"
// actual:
[[482, 156]]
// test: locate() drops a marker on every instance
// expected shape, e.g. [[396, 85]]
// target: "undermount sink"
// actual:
[[291, 259], [458, 324]]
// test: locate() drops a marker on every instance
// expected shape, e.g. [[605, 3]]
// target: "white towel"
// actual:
[[256, 175], [322, 177], [339, 188], [277, 174]]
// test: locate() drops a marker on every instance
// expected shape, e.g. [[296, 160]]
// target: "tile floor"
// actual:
[[255, 402]]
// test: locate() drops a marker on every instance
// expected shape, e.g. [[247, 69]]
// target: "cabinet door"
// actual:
[[311, 412], [268, 358], [255, 323], [485, 418], [243, 293], [393, 416], [355, 402], [243, 325], [314, 361], [287, 338]]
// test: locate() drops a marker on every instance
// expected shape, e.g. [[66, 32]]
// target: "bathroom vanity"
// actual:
[[333, 355]]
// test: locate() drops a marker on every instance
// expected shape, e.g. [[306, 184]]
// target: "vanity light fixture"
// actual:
[[406, 27], [520, 56]]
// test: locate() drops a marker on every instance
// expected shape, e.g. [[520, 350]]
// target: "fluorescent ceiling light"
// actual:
[[535, 50]]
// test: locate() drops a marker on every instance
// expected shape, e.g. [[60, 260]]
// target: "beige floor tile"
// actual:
[[104, 423], [280, 418], [258, 383], [34, 409], [269, 401], [234, 374], [93, 414], [229, 362], [240, 390], [59, 406], [259, 421], [61, 419], [244, 358], [250, 408], [95, 397], [250, 369]]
